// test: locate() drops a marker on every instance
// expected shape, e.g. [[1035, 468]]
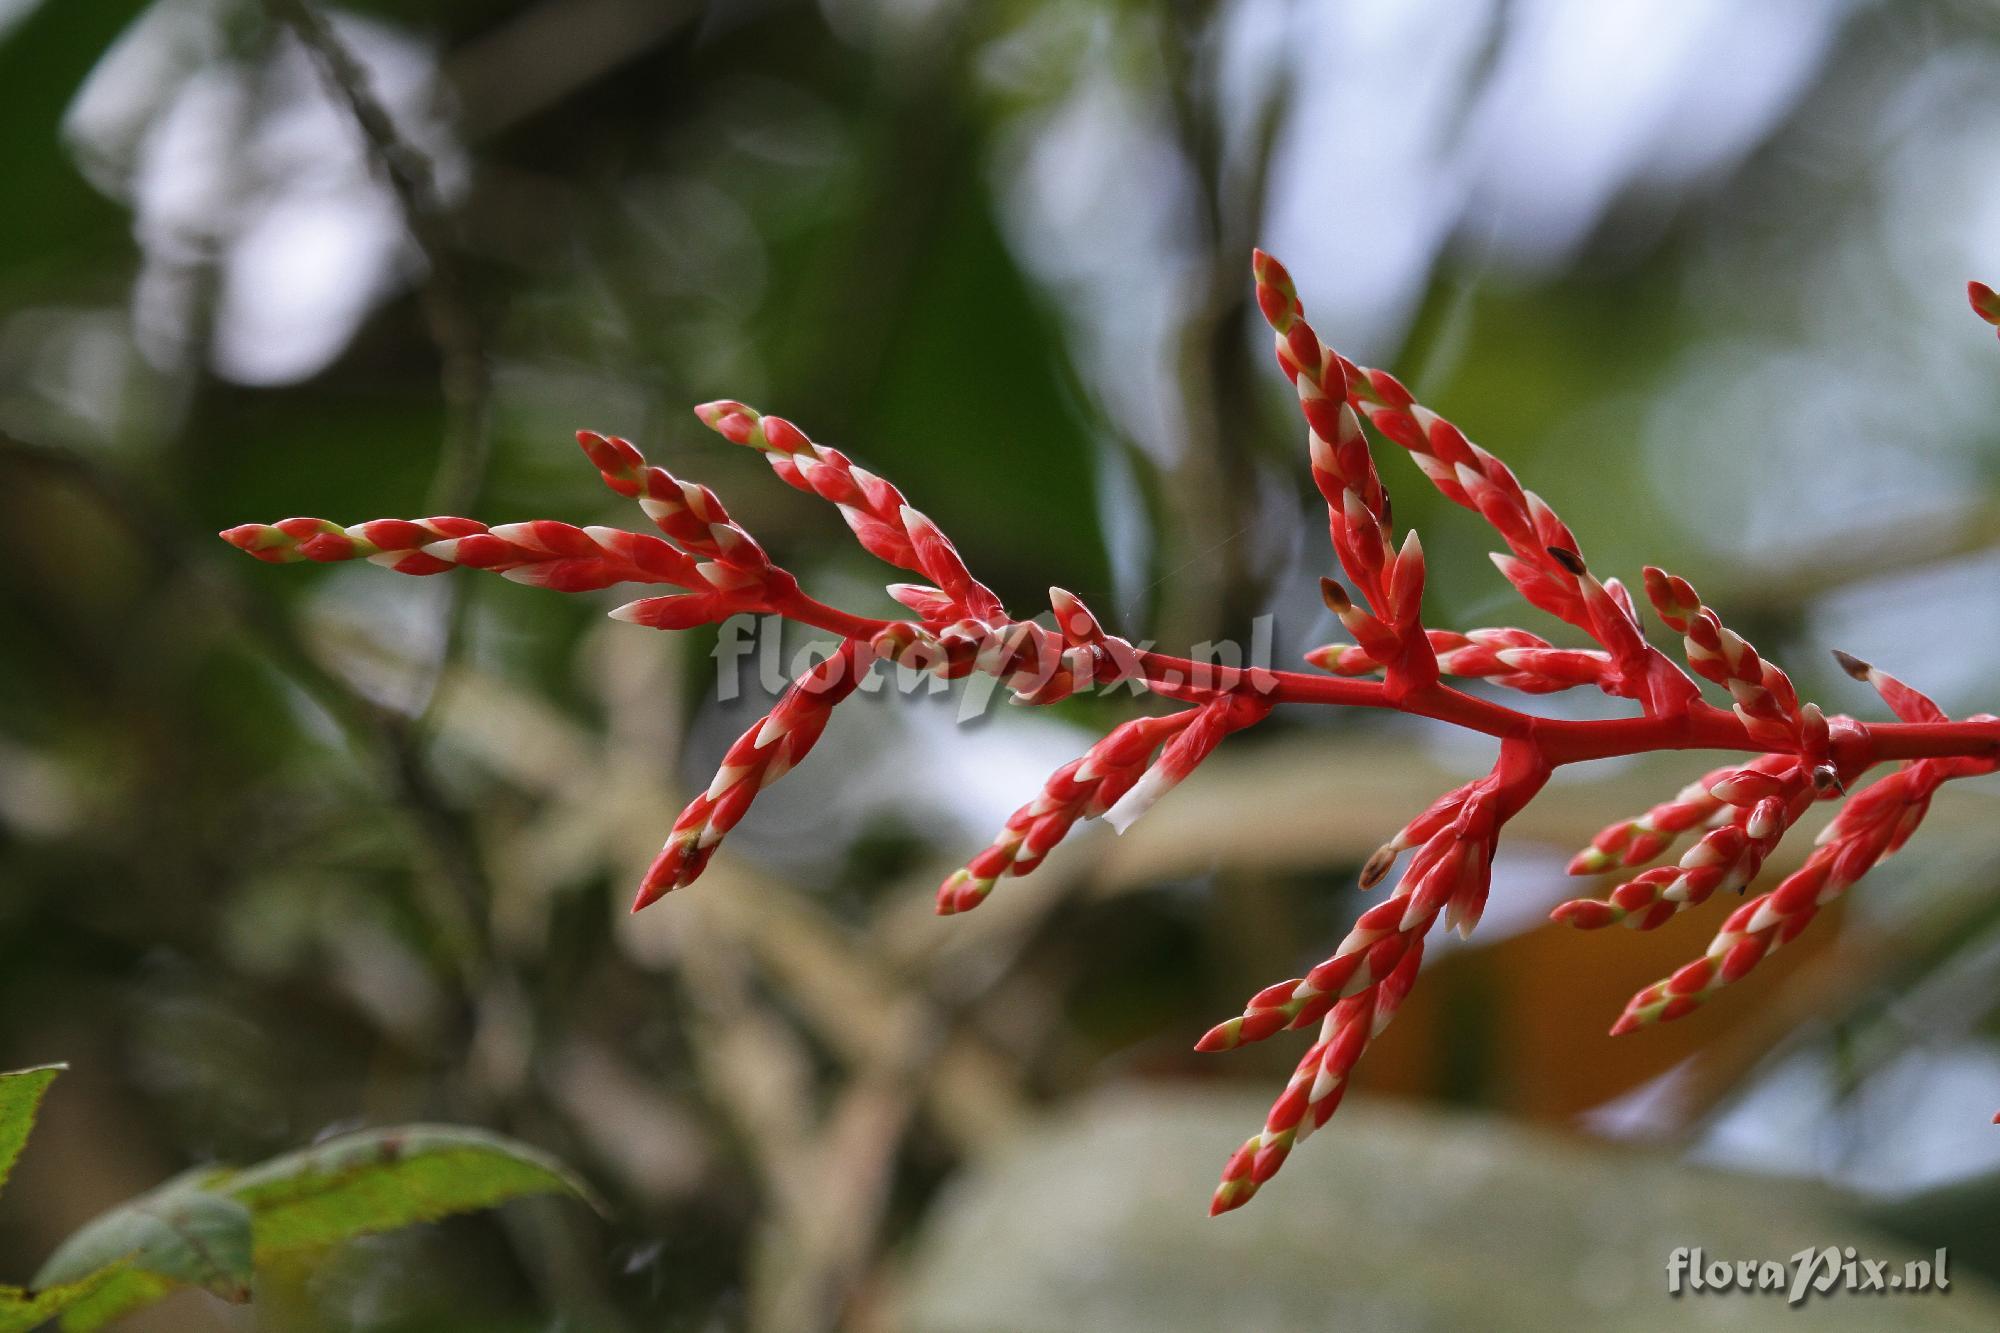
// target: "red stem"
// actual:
[[1558, 740], [796, 605], [1563, 741]]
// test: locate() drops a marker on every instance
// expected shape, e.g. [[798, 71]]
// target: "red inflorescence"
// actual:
[[1795, 754]]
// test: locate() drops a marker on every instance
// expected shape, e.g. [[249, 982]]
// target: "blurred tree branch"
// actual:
[[465, 378], [1216, 482]]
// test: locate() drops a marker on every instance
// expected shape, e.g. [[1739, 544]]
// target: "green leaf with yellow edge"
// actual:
[[111, 1293], [209, 1227], [21, 1310], [20, 1097], [379, 1180], [185, 1233]]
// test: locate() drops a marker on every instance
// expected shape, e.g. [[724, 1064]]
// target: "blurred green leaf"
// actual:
[[20, 1097], [379, 1180], [208, 1228], [23, 1310], [184, 1233]]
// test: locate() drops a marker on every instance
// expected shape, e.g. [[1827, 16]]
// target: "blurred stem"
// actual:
[[465, 378], [1216, 590], [813, 1261]]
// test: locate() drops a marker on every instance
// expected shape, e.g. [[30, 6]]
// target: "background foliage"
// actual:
[[288, 851]]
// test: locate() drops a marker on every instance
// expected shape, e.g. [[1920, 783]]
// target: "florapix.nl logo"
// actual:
[[1811, 1272]]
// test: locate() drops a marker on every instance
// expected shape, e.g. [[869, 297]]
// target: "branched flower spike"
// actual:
[[1791, 754]]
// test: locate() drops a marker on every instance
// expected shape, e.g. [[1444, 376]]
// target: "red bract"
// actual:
[[1796, 754], [1985, 302]]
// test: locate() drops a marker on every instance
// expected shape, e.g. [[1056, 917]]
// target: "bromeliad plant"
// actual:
[[1798, 755]]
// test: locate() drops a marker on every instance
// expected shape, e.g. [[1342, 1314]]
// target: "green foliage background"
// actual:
[[278, 853]]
